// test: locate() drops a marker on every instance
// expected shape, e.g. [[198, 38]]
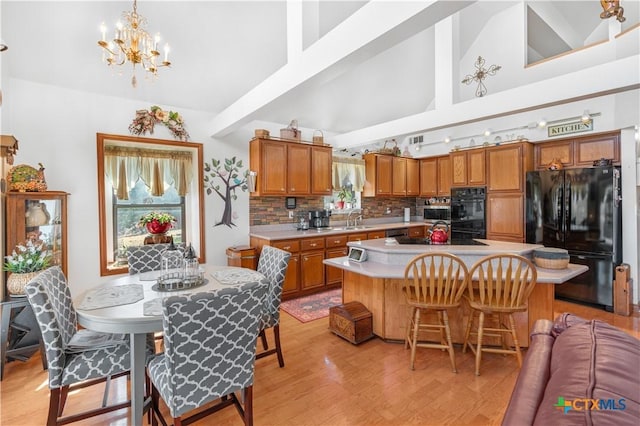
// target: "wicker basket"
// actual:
[[261, 133], [390, 151], [318, 137], [551, 263]]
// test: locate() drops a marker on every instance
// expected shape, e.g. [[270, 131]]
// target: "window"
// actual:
[[348, 183], [141, 175]]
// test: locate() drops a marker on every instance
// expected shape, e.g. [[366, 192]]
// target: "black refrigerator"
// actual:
[[579, 210]]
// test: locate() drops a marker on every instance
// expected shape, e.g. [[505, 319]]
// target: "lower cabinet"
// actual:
[[505, 213], [292, 278], [311, 266]]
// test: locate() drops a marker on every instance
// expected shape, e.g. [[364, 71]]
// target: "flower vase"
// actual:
[[155, 227], [18, 281]]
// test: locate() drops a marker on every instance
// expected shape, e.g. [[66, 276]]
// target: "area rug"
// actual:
[[309, 308]]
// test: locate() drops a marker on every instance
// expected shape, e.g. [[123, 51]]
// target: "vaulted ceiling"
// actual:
[[233, 58]]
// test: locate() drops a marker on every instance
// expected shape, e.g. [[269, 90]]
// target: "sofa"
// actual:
[[577, 372]]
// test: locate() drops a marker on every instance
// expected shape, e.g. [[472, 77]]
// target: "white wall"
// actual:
[[57, 127]]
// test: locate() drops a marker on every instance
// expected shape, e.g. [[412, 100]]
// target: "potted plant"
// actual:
[[157, 222], [343, 195], [25, 262]]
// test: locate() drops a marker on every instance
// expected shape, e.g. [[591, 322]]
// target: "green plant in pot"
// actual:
[[343, 195]]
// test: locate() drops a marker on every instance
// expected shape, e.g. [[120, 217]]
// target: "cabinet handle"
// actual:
[[313, 244], [286, 247], [344, 252], [305, 258], [336, 241]]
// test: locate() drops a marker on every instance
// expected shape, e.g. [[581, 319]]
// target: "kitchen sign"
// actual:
[[570, 128]]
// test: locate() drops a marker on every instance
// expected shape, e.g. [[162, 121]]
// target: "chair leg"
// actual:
[[263, 337], [447, 332], [276, 336], [248, 405], [416, 326], [409, 328], [443, 337], [62, 400], [512, 324], [467, 332], [105, 396], [479, 347], [54, 407]]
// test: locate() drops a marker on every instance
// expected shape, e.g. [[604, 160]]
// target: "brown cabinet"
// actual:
[[40, 216], [507, 166], [290, 168], [505, 217], [579, 152], [374, 235], [417, 232], [292, 277], [321, 161], [336, 246], [468, 168], [413, 178], [387, 175], [435, 176]]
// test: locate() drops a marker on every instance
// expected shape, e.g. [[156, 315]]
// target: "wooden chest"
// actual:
[[351, 321]]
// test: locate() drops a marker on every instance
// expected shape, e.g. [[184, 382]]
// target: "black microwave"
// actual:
[[441, 212]]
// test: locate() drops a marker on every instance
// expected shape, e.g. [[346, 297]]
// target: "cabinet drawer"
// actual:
[[416, 231], [292, 246], [357, 237], [336, 241], [374, 235], [312, 244]]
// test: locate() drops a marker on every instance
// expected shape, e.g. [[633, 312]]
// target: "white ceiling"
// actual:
[[223, 49]]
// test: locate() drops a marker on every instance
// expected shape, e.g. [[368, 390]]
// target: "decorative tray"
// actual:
[[175, 281]]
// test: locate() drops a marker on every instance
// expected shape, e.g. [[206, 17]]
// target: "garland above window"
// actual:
[[146, 119]]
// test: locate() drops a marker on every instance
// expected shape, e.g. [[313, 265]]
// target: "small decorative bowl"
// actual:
[[551, 258]]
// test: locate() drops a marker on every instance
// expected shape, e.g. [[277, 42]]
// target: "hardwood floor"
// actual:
[[327, 381]]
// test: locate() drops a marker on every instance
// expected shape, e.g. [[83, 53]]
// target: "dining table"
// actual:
[[132, 305]]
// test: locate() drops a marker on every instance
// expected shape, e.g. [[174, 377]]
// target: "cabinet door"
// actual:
[[321, 161], [274, 168], [505, 169], [333, 274], [444, 176], [590, 149], [413, 177], [505, 217], [291, 278], [458, 169], [357, 237], [546, 152], [41, 216], [298, 169], [311, 269], [429, 177], [384, 176], [475, 167], [399, 179], [374, 235]]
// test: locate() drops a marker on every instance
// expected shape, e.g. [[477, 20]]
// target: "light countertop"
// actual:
[[289, 232]]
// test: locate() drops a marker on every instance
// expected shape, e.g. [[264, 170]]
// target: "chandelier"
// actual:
[[132, 43]]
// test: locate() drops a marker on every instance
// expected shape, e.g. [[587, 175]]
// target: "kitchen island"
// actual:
[[377, 283]]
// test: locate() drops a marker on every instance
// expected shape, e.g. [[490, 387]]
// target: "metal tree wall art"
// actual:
[[232, 177], [480, 74]]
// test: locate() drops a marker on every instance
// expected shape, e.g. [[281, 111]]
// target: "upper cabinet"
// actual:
[[507, 166], [468, 168], [579, 152], [413, 177], [387, 175], [435, 176], [290, 168]]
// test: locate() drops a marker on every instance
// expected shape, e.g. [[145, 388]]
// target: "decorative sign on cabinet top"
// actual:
[[570, 128]]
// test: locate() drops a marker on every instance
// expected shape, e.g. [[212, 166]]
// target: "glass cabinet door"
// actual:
[[38, 216]]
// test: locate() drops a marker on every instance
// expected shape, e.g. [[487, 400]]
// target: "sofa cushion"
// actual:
[[593, 377]]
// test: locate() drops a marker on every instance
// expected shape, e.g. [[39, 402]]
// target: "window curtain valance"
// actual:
[[125, 165], [351, 169]]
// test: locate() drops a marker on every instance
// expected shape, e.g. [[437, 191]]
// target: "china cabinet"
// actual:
[[39, 216]]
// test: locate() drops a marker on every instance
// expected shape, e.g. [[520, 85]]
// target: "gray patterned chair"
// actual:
[[273, 265], [147, 257], [71, 367], [209, 352]]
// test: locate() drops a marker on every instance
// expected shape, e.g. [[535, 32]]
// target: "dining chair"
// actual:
[[147, 257], [504, 283], [273, 264], [72, 365], [433, 282], [209, 352]]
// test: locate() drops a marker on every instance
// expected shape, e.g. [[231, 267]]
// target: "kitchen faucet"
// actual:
[[355, 220]]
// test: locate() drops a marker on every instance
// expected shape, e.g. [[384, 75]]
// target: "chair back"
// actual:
[[437, 279], [504, 281], [50, 299], [147, 257], [273, 265], [210, 343]]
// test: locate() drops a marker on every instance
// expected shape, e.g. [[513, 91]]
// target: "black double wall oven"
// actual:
[[468, 213]]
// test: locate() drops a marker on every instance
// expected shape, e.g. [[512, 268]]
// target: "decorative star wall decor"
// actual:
[[480, 74]]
